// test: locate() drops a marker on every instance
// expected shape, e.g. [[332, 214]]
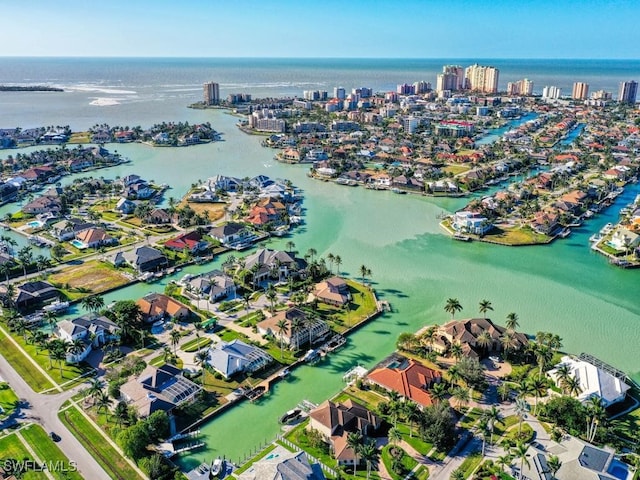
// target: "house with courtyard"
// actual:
[[282, 464], [143, 259], [212, 286], [407, 377], [159, 388], [332, 291], [231, 233], [157, 306], [272, 264], [91, 330], [594, 380], [335, 421], [300, 329], [191, 242], [235, 357]]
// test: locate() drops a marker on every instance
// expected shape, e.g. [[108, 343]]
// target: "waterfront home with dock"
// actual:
[[237, 357]]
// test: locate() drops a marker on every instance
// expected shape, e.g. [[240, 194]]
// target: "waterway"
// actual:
[[494, 134], [562, 287]]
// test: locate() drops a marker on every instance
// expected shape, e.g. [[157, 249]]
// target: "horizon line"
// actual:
[[241, 57]]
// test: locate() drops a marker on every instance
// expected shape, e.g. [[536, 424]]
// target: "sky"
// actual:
[[329, 28]]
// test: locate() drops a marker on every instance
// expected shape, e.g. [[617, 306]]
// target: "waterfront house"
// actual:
[[222, 182], [38, 174], [281, 464], [159, 388], [237, 357], [192, 242], [34, 293], [156, 306], [95, 237], [335, 421], [332, 291], [545, 221], [407, 183], [271, 264], [143, 259], [410, 379], [8, 192], [67, 229], [579, 460], [466, 333], [44, 204], [230, 233], [267, 211], [594, 380], [125, 206], [623, 239], [471, 222], [91, 330], [300, 328], [158, 216], [139, 191], [213, 286]]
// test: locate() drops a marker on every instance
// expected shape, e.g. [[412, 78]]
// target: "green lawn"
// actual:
[[108, 457], [8, 399], [407, 463], [48, 452], [12, 447], [59, 375], [23, 366], [414, 440], [196, 344], [519, 235], [368, 398], [470, 463], [470, 418]]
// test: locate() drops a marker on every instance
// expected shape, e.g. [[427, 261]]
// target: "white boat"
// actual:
[[284, 373], [311, 356], [216, 467], [291, 416], [56, 306]]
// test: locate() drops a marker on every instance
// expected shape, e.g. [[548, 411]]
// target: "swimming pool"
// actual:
[[619, 470], [78, 244], [271, 456], [35, 224]]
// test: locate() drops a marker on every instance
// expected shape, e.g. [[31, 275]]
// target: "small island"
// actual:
[[29, 88]]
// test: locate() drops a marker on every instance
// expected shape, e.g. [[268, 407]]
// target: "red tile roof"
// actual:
[[410, 381]]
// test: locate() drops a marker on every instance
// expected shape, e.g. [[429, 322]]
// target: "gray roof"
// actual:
[[237, 356]]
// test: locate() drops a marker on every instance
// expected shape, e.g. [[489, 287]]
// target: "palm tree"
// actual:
[[456, 351], [93, 303], [95, 387], [521, 410], [554, 464], [504, 461], [457, 474], [563, 373], [311, 253], [58, 352], [290, 246], [121, 413], [25, 258], [370, 455], [492, 416], [461, 395], [512, 322], [330, 259], [508, 342], [354, 442], [484, 340], [412, 414], [438, 392], [452, 306], [201, 358], [520, 452], [596, 415], [364, 271], [103, 402], [573, 386], [271, 295], [51, 319], [76, 347], [538, 388], [394, 436], [544, 355], [5, 269], [484, 307], [338, 261], [39, 339], [281, 327], [175, 340], [503, 390]]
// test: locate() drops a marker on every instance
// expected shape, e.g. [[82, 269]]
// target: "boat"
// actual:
[[202, 472], [216, 467], [311, 356], [347, 181], [565, 233], [291, 416], [56, 306], [284, 373], [398, 191], [461, 237]]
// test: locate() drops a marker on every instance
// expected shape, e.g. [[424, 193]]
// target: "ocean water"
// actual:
[[562, 287]]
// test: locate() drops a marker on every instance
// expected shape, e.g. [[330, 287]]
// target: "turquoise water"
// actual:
[[495, 133], [562, 287]]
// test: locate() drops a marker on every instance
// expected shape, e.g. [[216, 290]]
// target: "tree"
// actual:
[[554, 464], [456, 351], [281, 327], [438, 392], [395, 437], [93, 303], [504, 461], [457, 474], [452, 306], [271, 295], [484, 340], [58, 352], [484, 307], [175, 340], [103, 401], [503, 390], [58, 252], [201, 358], [544, 355], [461, 396], [512, 322], [539, 388], [354, 442], [596, 414], [520, 453], [121, 413], [95, 387], [492, 416], [134, 440], [331, 260], [573, 387], [338, 261], [521, 410], [563, 373], [370, 455], [364, 272], [25, 258]]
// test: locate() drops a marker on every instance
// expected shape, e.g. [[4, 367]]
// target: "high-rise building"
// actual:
[[482, 79], [580, 91], [410, 124], [551, 92], [628, 92], [339, 93], [211, 93], [521, 87], [421, 87]]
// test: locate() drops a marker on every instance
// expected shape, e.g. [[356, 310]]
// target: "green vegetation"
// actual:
[[13, 448], [470, 463], [196, 344], [519, 235], [107, 456], [23, 366], [48, 451], [90, 277], [260, 456], [8, 400], [397, 462]]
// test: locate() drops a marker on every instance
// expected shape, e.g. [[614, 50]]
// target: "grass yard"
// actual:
[[93, 276], [368, 398], [8, 400], [48, 451], [413, 439], [520, 235], [80, 137], [456, 169], [196, 344], [12, 447], [109, 458], [23, 366], [406, 462], [470, 463]]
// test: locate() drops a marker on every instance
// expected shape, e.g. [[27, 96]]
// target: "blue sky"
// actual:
[[331, 28]]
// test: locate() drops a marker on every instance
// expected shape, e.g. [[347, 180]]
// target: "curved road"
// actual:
[[43, 410]]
